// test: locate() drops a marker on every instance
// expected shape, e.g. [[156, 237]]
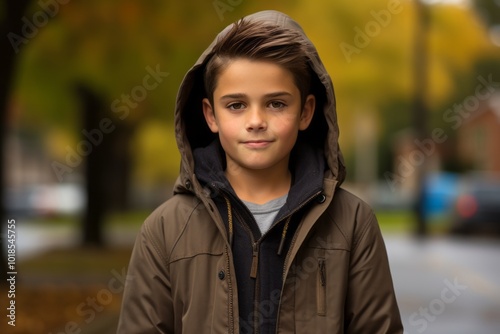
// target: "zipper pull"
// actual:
[[255, 261]]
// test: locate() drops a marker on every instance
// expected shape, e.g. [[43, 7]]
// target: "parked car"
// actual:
[[441, 190], [477, 207]]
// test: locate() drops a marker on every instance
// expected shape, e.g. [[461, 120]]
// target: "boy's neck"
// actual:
[[259, 186]]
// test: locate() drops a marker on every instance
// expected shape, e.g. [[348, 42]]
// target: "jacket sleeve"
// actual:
[[371, 305], [147, 299]]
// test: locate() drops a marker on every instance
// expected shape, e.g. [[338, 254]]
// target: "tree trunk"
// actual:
[[420, 112], [14, 10], [94, 146], [120, 165]]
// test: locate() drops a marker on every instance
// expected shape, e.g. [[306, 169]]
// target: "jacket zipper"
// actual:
[[231, 328], [230, 290], [256, 322], [321, 288], [253, 270], [255, 244]]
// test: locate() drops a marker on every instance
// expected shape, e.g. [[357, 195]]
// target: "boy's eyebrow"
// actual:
[[242, 95], [278, 94], [233, 96]]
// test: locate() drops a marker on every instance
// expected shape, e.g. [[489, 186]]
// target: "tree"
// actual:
[[10, 23], [93, 110], [420, 109]]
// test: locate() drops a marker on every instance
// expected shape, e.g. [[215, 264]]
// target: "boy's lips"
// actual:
[[258, 143]]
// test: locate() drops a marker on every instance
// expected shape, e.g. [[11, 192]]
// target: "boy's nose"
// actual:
[[256, 120]]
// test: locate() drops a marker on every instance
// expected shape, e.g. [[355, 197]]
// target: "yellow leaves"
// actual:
[[439, 82], [456, 39], [368, 48], [56, 141], [456, 35], [155, 153], [108, 44]]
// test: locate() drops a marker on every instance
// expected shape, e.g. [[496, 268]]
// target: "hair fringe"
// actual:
[[260, 41]]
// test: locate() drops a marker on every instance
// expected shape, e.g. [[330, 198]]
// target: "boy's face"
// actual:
[[257, 114]]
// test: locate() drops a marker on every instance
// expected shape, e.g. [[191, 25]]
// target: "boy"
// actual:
[[259, 237]]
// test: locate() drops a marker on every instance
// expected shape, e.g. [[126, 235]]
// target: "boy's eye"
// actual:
[[236, 106], [277, 105]]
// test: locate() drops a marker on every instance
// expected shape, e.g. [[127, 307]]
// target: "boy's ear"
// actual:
[[209, 114], [307, 112]]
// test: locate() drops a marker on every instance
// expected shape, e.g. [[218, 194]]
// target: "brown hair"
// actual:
[[260, 41]]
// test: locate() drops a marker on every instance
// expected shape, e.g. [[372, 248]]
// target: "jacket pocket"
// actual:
[[321, 288]]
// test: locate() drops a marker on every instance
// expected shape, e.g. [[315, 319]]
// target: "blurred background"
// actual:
[[87, 95]]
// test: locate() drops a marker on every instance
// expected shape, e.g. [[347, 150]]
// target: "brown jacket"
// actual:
[[336, 277]]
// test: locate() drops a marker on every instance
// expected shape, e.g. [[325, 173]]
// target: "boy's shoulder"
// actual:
[[348, 199], [170, 220], [178, 228], [176, 209], [173, 213], [351, 214]]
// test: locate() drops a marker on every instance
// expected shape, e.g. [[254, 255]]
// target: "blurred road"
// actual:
[[447, 286]]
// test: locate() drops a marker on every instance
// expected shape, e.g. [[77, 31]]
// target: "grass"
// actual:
[[77, 261], [395, 221], [404, 222], [122, 219], [401, 221]]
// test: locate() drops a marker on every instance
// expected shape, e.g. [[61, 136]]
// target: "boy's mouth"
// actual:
[[259, 143]]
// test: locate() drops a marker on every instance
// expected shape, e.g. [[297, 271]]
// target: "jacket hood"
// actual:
[[192, 131]]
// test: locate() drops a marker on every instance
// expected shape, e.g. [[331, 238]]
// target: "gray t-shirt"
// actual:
[[264, 214]]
